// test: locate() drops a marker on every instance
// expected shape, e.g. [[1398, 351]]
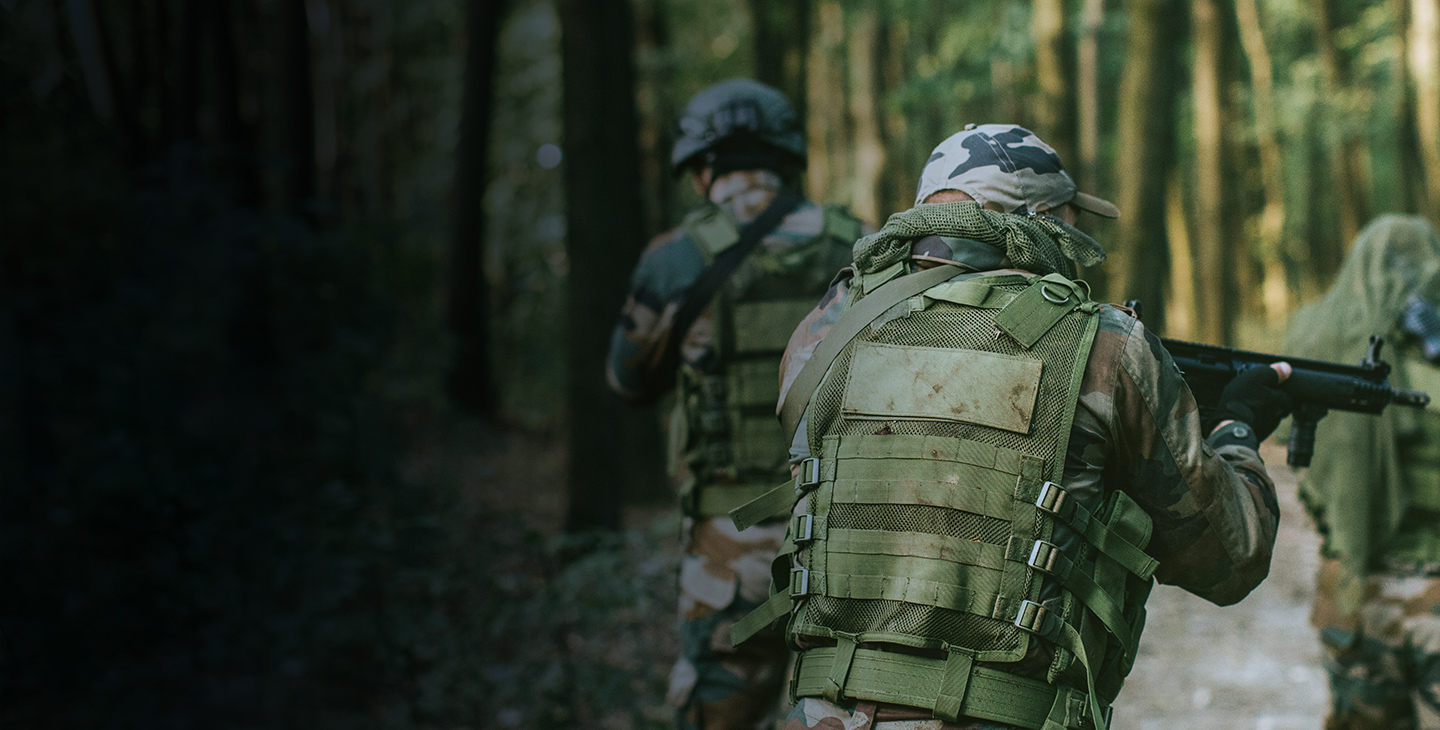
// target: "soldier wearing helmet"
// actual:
[[991, 468], [710, 307]]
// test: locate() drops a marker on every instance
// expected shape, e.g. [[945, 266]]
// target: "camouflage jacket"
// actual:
[[1137, 429], [671, 264]]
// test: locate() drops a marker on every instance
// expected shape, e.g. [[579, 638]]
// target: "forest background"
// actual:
[[304, 303]]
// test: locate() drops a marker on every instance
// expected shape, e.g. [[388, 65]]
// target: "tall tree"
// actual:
[[1214, 308], [1347, 168], [1424, 46], [782, 43], [828, 169], [1087, 93], [467, 313], [1275, 294], [865, 114], [1145, 126], [602, 173], [1055, 104], [299, 106]]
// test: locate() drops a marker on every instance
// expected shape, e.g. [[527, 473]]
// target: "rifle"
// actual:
[[1317, 387]]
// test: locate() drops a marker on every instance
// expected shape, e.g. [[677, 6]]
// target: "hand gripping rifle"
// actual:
[[1317, 387]]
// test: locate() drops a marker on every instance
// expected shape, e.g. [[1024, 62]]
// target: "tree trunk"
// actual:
[[1213, 306], [782, 36], [468, 311], [1424, 46], [1407, 148], [1347, 157], [299, 129], [1087, 87], [827, 169], [187, 72], [864, 115], [236, 136], [1274, 292], [1146, 122], [658, 115], [1180, 305], [604, 238], [1055, 104]]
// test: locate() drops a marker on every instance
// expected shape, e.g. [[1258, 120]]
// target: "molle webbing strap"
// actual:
[[851, 324], [954, 688]]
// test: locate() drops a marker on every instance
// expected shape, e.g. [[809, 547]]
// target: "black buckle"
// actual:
[[1043, 555], [804, 589], [1030, 617], [802, 528], [809, 475], [1052, 497]]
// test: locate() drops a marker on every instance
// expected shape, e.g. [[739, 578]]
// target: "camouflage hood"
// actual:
[[1040, 244], [1354, 484]]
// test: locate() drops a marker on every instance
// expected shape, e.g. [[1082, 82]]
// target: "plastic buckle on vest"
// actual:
[[809, 474], [1052, 497], [1042, 556], [802, 528], [804, 581], [1031, 616]]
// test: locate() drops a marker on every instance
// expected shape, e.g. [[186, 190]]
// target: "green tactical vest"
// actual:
[[932, 540], [723, 429]]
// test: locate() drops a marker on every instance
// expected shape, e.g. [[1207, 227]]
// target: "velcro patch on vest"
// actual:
[[937, 383]]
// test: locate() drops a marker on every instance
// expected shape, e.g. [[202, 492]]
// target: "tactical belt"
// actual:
[[954, 688]]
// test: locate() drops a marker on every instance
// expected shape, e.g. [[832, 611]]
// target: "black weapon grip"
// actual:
[[1302, 434]]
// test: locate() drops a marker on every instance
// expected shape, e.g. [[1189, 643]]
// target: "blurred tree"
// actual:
[[1345, 146], [1145, 151], [1054, 74], [827, 174], [1087, 93], [607, 441], [1214, 257], [1275, 294], [781, 36], [867, 144], [1424, 47], [468, 308], [299, 119]]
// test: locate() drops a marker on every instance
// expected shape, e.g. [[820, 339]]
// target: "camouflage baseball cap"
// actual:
[[1005, 168]]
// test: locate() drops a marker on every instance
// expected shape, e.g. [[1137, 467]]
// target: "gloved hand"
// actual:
[[1254, 397]]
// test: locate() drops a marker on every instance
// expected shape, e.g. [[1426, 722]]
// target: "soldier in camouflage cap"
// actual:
[[741, 144], [991, 473]]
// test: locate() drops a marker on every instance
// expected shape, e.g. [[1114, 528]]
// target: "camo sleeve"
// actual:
[[1214, 510], [669, 266]]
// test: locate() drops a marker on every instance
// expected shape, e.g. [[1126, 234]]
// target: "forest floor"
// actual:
[[1252, 665]]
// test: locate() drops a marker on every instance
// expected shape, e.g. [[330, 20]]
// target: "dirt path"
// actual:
[[1252, 665]]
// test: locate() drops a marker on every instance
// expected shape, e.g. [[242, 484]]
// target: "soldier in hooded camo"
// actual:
[[1373, 487], [990, 467], [741, 144]]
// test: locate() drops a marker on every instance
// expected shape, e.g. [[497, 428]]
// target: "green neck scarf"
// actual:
[[1040, 244]]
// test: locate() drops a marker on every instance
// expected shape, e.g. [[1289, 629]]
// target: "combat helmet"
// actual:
[[749, 120]]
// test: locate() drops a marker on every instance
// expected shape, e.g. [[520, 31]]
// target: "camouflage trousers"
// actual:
[[1384, 659], [726, 574]]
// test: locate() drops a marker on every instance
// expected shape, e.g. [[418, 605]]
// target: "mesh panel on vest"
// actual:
[[942, 325]]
